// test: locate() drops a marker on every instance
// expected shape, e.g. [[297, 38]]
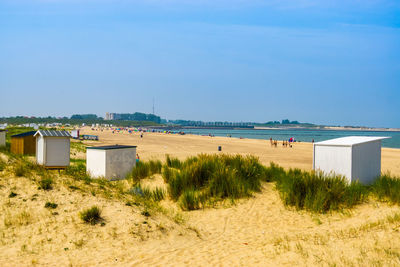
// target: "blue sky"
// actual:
[[326, 62]]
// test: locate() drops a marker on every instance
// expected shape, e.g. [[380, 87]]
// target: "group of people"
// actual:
[[274, 143]]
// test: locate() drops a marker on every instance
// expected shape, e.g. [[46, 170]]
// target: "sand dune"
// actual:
[[259, 231]]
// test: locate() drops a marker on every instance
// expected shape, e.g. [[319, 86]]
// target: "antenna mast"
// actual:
[[153, 106]]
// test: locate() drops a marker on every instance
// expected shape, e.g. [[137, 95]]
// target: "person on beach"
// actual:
[[137, 157]]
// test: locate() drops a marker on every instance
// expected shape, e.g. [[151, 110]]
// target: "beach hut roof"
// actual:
[[350, 140], [24, 134], [46, 133], [109, 147]]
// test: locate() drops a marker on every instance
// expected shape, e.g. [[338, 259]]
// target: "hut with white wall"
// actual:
[[2, 138], [53, 148], [111, 162], [354, 157]]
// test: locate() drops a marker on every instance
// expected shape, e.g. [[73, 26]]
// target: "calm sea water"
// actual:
[[302, 135]]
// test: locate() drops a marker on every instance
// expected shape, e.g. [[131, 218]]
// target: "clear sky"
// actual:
[[320, 61]]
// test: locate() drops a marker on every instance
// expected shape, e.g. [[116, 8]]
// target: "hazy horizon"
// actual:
[[328, 63]]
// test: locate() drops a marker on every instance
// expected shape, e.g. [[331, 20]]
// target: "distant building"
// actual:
[[137, 116]]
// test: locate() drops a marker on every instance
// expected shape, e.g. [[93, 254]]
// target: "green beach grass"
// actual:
[[203, 180]]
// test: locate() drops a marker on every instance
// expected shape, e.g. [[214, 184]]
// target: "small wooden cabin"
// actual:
[[24, 143], [2, 138], [52, 148]]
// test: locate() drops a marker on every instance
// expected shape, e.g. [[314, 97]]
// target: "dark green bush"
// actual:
[[12, 194], [46, 183], [50, 205], [92, 215]]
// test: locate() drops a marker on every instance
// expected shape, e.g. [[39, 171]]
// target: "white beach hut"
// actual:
[[355, 157], [52, 148], [111, 162], [2, 138]]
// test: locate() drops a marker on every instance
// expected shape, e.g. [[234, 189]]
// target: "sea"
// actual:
[[300, 135]]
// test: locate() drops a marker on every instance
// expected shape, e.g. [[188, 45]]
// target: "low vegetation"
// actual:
[[156, 194], [3, 164], [145, 169], [46, 183], [91, 215], [50, 205], [201, 181], [318, 193], [387, 189], [21, 169], [78, 172]]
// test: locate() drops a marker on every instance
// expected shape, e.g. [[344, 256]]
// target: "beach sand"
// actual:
[[258, 231], [157, 145]]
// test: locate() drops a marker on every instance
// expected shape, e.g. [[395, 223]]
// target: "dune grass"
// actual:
[[156, 194], [3, 164], [318, 193], [145, 169], [91, 215], [208, 178], [78, 172], [387, 188], [204, 179]]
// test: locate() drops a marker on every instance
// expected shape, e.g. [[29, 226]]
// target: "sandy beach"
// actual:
[[157, 145], [258, 231]]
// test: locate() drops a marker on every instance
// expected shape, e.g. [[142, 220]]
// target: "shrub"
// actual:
[[92, 215], [50, 205], [12, 194], [46, 183]]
